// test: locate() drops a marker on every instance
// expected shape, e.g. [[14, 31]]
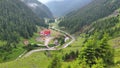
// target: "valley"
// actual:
[[84, 35]]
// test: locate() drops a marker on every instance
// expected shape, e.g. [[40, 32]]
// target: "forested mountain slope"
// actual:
[[76, 21], [97, 45], [38, 8], [91, 49], [88, 51], [16, 20], [110, 24]]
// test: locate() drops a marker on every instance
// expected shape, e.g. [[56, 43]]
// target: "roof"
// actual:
[[45, 32]]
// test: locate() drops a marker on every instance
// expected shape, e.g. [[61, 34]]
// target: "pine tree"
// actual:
[[56, 63]]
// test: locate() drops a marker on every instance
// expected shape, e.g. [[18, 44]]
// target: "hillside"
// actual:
[[38, 8], [76, 20], [94, 41], [61, 8], [16, 21], [98, 48], [108, 24]]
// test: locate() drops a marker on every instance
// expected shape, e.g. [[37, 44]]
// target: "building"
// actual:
[[66, 39], [45, 32], [26, 42]]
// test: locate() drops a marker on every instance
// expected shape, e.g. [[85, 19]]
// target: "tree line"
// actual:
[[76, 21], [16, 21]]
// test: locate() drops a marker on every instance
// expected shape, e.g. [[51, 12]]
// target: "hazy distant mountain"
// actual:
[[40, 9], [63, 7]]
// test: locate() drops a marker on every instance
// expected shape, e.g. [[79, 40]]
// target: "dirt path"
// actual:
[[47, 40]]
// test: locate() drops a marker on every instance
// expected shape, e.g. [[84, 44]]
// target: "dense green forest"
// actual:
[[97, 44], [109, 25], [16, 20], [95, 51], [77, 20]]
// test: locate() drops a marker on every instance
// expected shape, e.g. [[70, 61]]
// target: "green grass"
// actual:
[[116, 44], [75, 46], [55, 33], [51, 45], [2, 43], [36, 60], [40, 60], [33, 39], [36, 35], [16, 52], [72, 64], [55, 24]]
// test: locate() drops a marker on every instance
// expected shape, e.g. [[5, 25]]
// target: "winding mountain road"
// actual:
[[55, 47]]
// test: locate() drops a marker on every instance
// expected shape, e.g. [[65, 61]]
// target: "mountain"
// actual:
[[16, 21], [85, 53], [109, 24], [38, 8], [76, 21], [60, 8], [98, 45]]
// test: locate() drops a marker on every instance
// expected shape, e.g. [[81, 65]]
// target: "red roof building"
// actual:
[[45, 32]]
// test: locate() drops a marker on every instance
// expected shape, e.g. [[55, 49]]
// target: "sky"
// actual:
[[46, 1]]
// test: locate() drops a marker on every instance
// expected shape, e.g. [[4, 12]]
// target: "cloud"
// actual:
[[46, 1], [33, 5]]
